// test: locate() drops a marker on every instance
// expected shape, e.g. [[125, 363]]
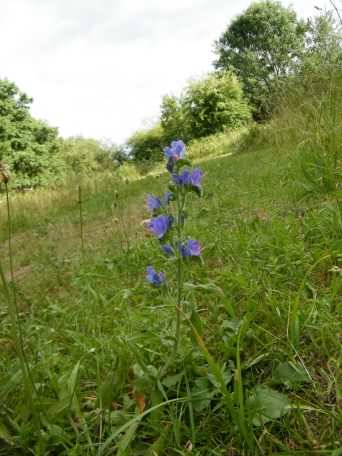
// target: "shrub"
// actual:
[[28, 146], [260, 46], [215, 103], [147, 145], [206, 106], [87, 155]]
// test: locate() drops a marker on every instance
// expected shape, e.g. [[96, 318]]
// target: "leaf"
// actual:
[[290, 374], [106, 394], [337, 452], [202, 393], [140, 401], [172, 380], [178, 164], [210, 287], [127, 438], [5, 434], [196, 190], [266, 404]]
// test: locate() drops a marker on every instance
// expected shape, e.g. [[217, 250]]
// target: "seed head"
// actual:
[[4, 173]]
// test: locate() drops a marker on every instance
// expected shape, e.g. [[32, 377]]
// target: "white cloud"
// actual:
[[99, 68]]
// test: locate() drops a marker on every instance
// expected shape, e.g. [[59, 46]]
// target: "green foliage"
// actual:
[[260, 46], [308, 118], [206, 106], [84, 156], [323, 43], [147, 145], [173, 119], [29, 146], [215, 103], [104, 336]]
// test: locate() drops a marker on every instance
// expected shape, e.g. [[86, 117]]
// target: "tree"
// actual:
[[173, 119], [29, 146], [206, 106], [213, 104], [260, 46], [147, 145], [323, 42]]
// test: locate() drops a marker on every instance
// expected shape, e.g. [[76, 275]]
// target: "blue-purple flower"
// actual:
[[159, 226], [190, 248], [196, 178], [168, 249], [153, 203], [153, 277], [182, 179], [188, 178], [175, 151]]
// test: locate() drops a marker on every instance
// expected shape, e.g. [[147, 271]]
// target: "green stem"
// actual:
[[13, 310], [81, 216], [10, 254], [180, 205]]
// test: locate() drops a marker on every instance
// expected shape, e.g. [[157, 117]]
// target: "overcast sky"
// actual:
[[99, 68]]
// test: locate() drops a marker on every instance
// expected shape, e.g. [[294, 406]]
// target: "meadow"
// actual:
[[259, 364]]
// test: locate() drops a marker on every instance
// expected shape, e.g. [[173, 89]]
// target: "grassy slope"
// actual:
[[266, 251]]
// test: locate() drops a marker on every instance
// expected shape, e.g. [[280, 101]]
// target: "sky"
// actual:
[[99, 68]]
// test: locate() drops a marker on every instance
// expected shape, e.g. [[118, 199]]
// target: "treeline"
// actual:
[[261, 56], [257, 57], [36, 155]]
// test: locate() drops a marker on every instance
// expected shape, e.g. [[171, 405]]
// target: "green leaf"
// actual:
[[290, 374], [178, 164], [196, 190], [4, 433], [337, 452], [127, 438], [209, 287], [202, 393], [172, 380], [265, 404]]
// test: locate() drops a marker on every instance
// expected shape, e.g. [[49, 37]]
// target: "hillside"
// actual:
[[259, 363]]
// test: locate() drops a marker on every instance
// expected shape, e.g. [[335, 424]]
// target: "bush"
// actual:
[[214, 104], [261, 46], [86, 155], [28, 146], [207, 106], [147, 145]]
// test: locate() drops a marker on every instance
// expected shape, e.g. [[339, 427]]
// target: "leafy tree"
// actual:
[[206, 106], [213, 104], [173, 119], [323, 42], [87, 155], [29, 146], [147, 144], [260, 46]]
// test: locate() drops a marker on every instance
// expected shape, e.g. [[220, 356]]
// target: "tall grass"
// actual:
[[258, 370], [308, 126]]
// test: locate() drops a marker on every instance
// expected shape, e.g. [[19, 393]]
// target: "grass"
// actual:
[[258, 370], [259, 367]]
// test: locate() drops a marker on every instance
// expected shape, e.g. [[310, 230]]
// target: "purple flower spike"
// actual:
[[193, 178], [167, 249], [160, 225], [191, 248], [153, 203], [182, 179], [196, 177], [175, 151], [153, 277]]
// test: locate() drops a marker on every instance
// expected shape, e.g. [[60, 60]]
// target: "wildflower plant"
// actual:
[[168, 221]]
